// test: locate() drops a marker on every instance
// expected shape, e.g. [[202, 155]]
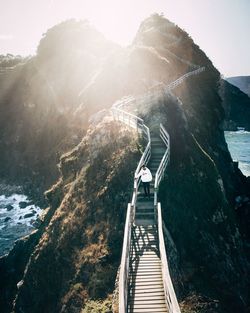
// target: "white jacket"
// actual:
[[146, 175]]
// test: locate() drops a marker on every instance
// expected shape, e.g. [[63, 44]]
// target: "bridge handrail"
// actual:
[[124, 268], [169, 292], [137, 123], [164, 161], [178, 81]]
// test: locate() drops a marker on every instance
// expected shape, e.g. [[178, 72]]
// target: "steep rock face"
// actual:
[[78, 254], [199, 189], [237, 107], [197, 196]]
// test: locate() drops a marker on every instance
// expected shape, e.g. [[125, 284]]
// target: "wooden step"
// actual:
[[150, 304], [147, 268], [145, 310], [146, 276], [143, 237], [146, 230], [149, 261], [151, 296], [144, 244], [147, 245], [146, 284], [152, 271], [145, 234], [158, 298], [145, 210], [146, 214], [145, 222], [147, 288], [145, 240]]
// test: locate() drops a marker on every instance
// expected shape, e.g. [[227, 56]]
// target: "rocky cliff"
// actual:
[[237, 107], [74, 256], [242, 82], [38, 98]]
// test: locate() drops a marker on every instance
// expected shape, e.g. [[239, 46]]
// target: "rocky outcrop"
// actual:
[[236, 105], [37, 102], [242, 82], [78, 252], [75, 256]]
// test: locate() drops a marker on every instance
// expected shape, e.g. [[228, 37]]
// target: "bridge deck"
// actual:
[[146, 292]]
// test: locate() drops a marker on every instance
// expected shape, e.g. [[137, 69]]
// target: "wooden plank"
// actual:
[[146, 288], [148, 299], [156, 282], [146, 271], [152, 265], [146, 267], [150, 304], [136, 259], [146, 275], [149, 261], [141, 255], [152, 283], [145, 240], [151, 252], [147, 236], [145, 255], [150, 310]]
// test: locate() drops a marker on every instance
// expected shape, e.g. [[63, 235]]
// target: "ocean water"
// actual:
[[239, 146], [18, 216]]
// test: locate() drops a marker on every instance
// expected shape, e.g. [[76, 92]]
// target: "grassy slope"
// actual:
[[78, 255]]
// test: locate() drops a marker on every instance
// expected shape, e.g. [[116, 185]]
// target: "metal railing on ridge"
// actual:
[[164, 161], [170, 296], [138, 123]]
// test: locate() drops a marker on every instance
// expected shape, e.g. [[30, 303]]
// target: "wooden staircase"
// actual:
[[146, 290], [145, 284]]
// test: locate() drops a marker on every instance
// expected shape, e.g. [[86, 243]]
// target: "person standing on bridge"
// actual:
[[146, 178]]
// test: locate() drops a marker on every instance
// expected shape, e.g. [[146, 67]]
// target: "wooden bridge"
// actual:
[[144, 281]]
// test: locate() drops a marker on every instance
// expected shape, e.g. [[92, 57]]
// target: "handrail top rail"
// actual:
[[142, 158], [127, 113], [123, 100], [156, 184]]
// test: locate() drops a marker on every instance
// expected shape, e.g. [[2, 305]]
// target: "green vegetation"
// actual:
[[96, 306], [10, 60], [80, 250]]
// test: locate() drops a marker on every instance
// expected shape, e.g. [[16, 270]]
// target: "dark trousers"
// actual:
[[146, 186]]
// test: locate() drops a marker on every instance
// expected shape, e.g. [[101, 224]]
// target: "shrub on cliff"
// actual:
[[81, 248]]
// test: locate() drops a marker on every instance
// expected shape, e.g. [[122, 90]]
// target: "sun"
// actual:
[[117, 20]]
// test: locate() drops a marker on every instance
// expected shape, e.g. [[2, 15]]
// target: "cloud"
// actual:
[[6, 37]]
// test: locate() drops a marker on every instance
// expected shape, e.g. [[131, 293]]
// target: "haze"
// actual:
[[220, 28]]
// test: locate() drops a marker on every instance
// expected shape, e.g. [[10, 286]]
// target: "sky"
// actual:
[[220, 27]]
